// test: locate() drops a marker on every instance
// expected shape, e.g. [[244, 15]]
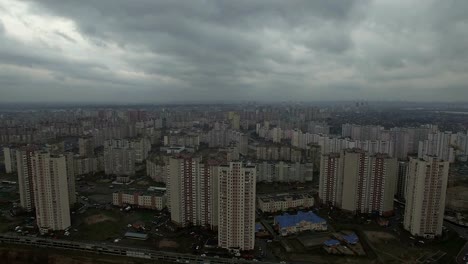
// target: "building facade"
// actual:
[[236, 206], [358, 182], [50, 191], [9, 155], [24, 159], [283, 202], [425, 196], [148, 200], [192, 191]]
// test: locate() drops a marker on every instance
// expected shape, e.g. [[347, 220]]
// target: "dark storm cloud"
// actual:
[[121, 50]]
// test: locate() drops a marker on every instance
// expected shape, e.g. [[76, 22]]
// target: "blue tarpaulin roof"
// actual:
[[331, 243], [287, 220], [258, 227], [351, 239]]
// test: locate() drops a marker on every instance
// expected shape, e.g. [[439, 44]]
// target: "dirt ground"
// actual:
[[94, 219], [166, 243], [378, 237]]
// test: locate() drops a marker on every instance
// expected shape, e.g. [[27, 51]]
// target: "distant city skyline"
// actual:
[[227, 51]]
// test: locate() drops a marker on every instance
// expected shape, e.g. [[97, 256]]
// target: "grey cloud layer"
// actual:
[[243, 50]]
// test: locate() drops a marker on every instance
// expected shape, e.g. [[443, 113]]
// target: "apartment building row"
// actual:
[[281, 171], [278, 152], [155, 200], [282, 202]]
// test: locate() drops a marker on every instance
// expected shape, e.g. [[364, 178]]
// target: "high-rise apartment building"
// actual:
[[24, 159], [9, 155], [49, 174], [119, 158], [70, 162], [402, 179], [86, 146], [331, 179], [236, 206], [438, 144], [358, 182], [192, 191], [425, 196]]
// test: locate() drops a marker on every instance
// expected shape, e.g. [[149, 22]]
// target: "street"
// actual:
[[463, 232]]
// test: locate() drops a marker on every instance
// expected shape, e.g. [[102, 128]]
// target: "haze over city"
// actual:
[[159, 51], [233, 132]]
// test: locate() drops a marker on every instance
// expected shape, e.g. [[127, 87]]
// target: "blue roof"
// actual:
[[351, 239], [331, 243], [258, 227], [287, 220]]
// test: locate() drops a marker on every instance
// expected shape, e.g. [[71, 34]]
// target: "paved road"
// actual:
[[462, 253], [115, 250], [463, 232]]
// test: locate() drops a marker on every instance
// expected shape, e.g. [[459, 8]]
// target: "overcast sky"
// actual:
[[201, 50]]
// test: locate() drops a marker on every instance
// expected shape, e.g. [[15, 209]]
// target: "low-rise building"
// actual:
[[302, 221], [150, 200], [283, 202]]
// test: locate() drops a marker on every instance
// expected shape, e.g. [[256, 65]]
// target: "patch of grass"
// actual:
[[4, 226]]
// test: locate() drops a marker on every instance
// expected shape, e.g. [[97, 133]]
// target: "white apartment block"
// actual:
[[425, 196], [148, 200], [236, 206], [282, 202], [9, 155], [438, 144], [50, 191]]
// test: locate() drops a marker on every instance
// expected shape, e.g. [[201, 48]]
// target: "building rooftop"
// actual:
[[287, 220], [351, 239], [331, 243]]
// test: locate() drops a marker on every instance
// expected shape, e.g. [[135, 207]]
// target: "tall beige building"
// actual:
[[192, 191], [358, 182], [24, 159], [425, 196], [50, 191], [236, 206], [331, 179]]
